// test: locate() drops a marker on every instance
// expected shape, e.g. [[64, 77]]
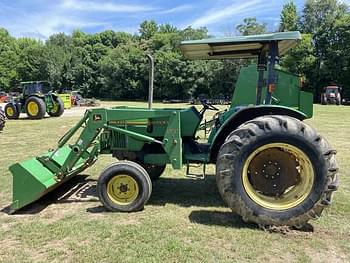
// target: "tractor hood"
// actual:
[[239, 46]]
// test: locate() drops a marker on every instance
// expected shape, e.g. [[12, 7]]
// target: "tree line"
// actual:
[[113, 65]]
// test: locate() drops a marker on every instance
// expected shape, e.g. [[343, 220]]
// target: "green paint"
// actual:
[[287, 92]]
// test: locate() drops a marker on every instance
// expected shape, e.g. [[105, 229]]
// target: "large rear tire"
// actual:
[[276, 170], [124, 187], [35, 108], [58, 108]]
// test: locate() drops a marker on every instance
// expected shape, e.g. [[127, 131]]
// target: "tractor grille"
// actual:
[[118, 140]]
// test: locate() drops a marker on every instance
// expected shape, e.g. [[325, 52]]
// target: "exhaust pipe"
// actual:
[[151, 80]]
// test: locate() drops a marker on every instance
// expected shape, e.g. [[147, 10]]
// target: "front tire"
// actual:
[[11, 111], [124, 187], [276, 170]]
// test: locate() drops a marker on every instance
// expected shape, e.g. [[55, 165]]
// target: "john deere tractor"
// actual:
[[271, 167], [35, 100]]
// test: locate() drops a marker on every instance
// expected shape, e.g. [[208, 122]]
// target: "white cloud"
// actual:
[[180, 8], [216, 15], [105, 6], [48, 24]]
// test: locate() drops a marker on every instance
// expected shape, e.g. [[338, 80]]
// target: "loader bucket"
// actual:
[[32, 180]]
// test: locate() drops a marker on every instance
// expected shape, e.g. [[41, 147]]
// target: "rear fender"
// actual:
[[246, 114]]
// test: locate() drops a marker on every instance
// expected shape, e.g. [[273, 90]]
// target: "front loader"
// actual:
[[271, 167]]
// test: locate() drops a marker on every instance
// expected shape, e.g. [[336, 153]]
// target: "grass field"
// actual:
[[184, 221]]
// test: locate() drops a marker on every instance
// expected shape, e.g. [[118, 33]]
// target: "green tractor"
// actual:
[[271, 167], [35, 100]]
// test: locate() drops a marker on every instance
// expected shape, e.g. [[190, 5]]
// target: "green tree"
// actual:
[[190, 33], [31, 65], [319, 18], [301, 60], [289, 17], [8, 60], [148, 29], [250, 26], [321, 15]]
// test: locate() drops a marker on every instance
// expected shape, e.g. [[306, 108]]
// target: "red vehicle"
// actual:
[[331, 95], [3, 97]]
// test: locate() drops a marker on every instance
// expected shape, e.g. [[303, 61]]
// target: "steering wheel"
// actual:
[[208, 106]]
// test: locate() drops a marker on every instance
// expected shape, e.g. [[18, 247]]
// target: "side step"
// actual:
[[195, 176]]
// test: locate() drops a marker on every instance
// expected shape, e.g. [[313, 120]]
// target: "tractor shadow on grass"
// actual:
[[24, 117], [77, 189], [180, 191], [219, 218], [186, 192]]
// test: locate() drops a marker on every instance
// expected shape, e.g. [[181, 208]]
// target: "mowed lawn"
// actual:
[[184, 221]]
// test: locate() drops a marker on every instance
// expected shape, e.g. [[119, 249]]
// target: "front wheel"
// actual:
[[11, 111], [276, 170], [124, 187]]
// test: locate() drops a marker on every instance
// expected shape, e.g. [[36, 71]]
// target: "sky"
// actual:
[[41, 18]]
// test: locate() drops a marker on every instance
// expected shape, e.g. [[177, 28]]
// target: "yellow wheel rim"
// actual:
[[33, 108], [278, 176], [122, 189], [10, 112]]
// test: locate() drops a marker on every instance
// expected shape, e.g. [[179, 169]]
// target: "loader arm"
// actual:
[[93, 123]]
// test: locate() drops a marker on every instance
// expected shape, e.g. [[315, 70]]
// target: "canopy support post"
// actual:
[[272, 74], [262, 66]]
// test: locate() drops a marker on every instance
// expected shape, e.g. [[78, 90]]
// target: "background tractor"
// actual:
[[271, 167], [331, 95], [35, 100]]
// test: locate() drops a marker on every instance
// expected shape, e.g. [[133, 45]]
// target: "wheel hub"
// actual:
[[272, 177], [122, 189], [271, 170]]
